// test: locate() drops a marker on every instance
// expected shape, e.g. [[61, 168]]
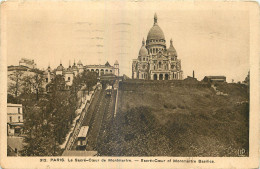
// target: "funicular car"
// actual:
[[82, 138]]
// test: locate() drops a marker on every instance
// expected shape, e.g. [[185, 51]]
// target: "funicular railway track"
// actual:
[[99, 118], [96, 120], [107, 121], [89, 113]]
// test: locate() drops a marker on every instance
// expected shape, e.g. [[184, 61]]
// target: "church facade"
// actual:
[[155, 61]]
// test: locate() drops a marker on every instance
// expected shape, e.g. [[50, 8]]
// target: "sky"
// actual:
[[209, 39]]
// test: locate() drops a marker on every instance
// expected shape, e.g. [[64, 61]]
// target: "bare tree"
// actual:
[[16, 82], [33, 84]]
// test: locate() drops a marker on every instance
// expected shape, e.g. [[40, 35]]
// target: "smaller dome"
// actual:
[[171, 50], [143, 51], [70, 69], [60, 68], [74, 67]]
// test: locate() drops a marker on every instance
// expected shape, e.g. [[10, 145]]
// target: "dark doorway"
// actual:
[[155, 77], [160, 77], [166, 77]]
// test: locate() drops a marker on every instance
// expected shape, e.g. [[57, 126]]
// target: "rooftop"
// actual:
[[83, 131], [14, 105]]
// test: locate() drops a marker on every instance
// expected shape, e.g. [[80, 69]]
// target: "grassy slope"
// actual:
[[179, 119]]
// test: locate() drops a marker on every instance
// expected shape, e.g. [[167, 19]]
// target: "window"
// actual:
[[68, 78], [160, 65], [10, 119], [143, 59], [19, 118], [19, 110], [46, 79]]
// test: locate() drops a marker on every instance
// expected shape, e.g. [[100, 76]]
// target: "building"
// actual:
[[14, 119], [72, 71], [214, 79], [155, 61], [104, 69], [28, 63]]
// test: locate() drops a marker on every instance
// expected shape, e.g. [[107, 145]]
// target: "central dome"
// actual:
[[155, 32]]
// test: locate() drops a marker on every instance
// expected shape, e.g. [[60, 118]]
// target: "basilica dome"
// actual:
[[171, 50], [143, 51], [155, 32]]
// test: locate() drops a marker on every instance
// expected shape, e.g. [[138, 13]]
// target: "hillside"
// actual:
[[179, 118]]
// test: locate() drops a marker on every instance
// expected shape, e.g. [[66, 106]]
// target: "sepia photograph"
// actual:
[[129, 82]]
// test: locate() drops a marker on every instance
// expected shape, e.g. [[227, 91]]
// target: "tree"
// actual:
[[33, 84], [89, 79], [15, 84]]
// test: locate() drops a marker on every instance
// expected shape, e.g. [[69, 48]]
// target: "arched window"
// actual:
[[153, 50], [143, 59], [156, 50], [160, 65], [68, 78], [46, 79], [155, 77]]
